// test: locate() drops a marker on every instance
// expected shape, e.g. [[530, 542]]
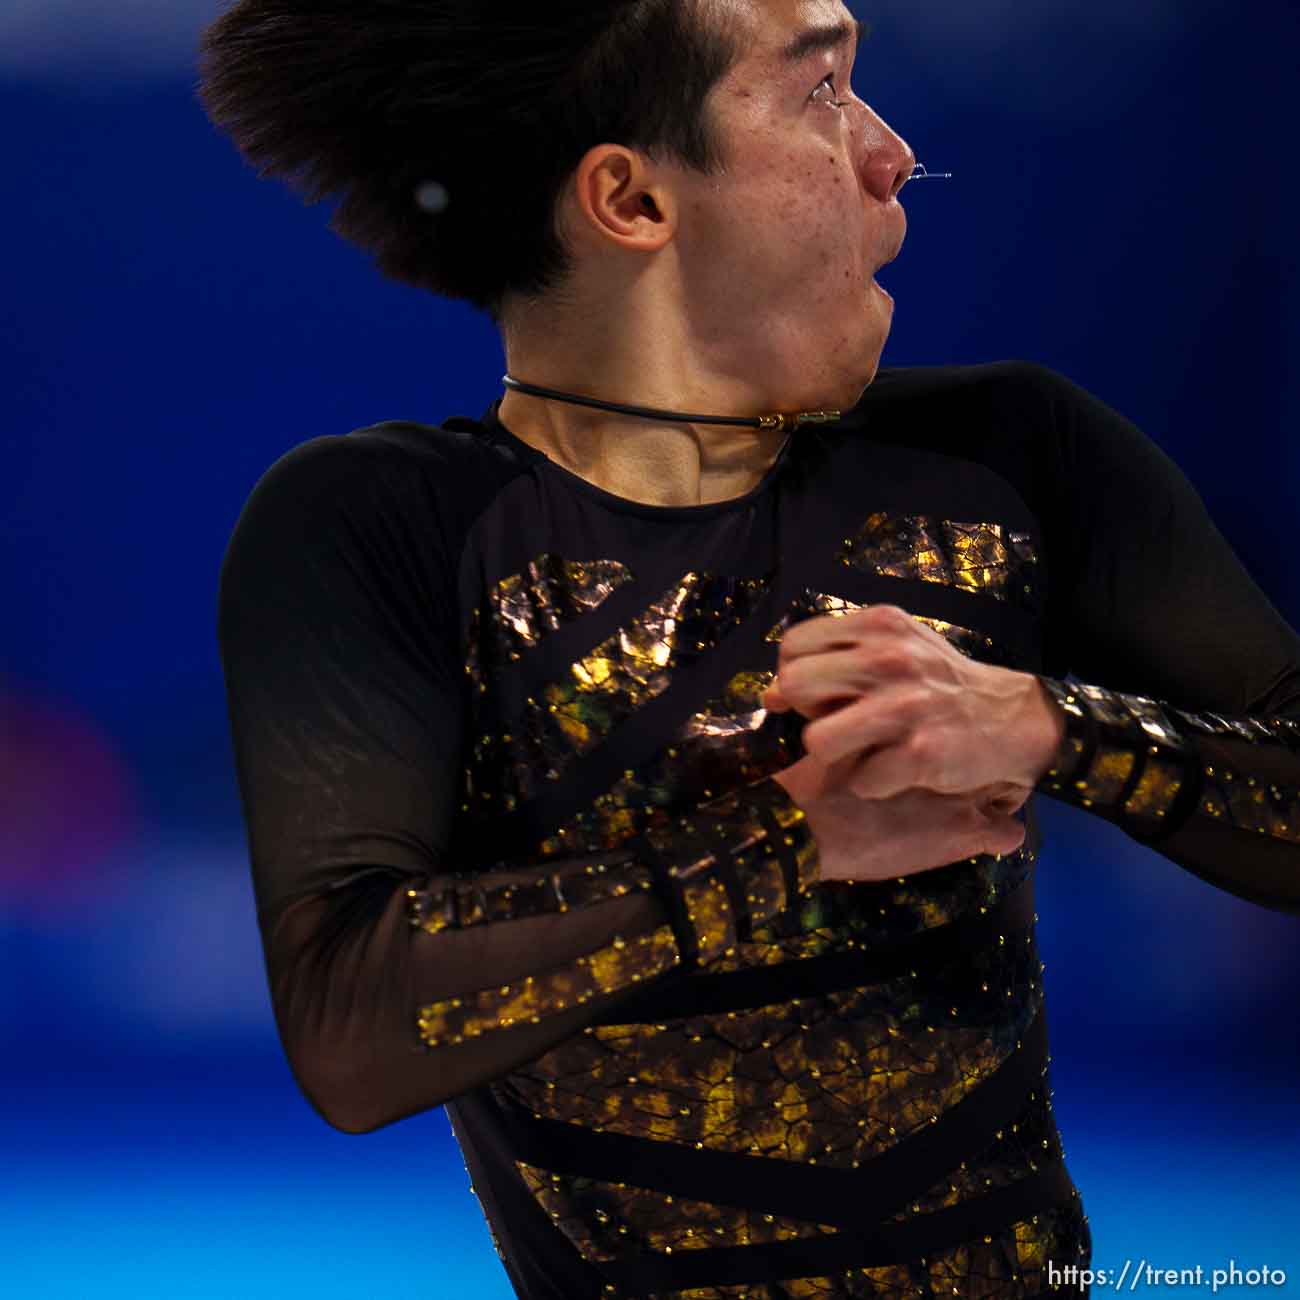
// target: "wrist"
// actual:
[[1048, 747]]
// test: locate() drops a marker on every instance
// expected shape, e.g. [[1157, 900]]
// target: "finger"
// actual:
[[773, 700], [840, 631], [910, 762], [814, 682], [824, 632], [876, 719]]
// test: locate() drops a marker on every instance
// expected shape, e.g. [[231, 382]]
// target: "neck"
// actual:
[[654, 460]]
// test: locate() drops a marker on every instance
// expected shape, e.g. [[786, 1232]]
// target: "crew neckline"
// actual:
[[492, 423]]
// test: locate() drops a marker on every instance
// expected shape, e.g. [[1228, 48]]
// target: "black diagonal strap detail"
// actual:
[[759, 986], [849, 1198], [784, 853], [872, 1247], [730, 877], [669, 889]]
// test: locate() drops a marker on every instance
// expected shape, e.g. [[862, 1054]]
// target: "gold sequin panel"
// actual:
[[620, 964], [1136, 728], [613, 1218], [551, 592], [1129, 730], [606, 1221], [732, 741], [456, 902], [1156, 789], [833, 1078], [1029, 1143], [1162, 772], [982, 558], [836, 916], [691, 848], [515, 615], [1013, 1262], [635, 665]]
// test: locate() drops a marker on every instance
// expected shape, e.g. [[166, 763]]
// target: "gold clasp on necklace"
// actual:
[[783, 423]]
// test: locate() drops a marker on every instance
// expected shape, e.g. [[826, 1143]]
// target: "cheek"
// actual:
[[796, 221], [828, 226], [812, 215]]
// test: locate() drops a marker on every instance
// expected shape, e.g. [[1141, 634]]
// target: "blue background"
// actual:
[[1121, 210]]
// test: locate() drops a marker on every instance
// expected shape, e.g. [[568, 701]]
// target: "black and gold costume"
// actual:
[[516, 848]]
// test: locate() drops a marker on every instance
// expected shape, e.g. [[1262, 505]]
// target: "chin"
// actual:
[[867, 371], [841, 383], [849, 393]]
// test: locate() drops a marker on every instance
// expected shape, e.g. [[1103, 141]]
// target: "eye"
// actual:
[[828, 83]]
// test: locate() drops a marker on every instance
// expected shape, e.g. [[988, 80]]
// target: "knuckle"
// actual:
[[892, 662], [890, 616], [816, 740], [911, 705], [921, 747], [792, 677]]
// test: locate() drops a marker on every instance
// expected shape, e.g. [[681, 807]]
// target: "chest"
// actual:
[[614, 676]]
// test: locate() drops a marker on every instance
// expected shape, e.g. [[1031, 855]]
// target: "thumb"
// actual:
[[772, 699]]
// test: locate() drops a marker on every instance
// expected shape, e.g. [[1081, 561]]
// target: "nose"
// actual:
[[887, 159]]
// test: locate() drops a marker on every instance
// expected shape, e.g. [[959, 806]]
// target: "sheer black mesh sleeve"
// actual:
[[1183, 721], [398, 981]]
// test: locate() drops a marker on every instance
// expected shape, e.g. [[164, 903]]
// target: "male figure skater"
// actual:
[[644, 769]]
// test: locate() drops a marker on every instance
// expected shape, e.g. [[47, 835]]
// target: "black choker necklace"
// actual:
[[781, 423]]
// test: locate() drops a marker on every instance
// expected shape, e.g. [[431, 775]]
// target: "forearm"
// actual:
[[1220, 796], [418, 989]]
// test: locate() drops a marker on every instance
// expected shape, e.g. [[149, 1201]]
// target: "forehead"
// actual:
[[767, 27]]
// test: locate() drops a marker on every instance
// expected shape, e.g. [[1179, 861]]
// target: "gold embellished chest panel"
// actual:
[[832, 1079]]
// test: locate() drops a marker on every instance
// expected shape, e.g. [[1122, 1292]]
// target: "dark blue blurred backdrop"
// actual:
[[1121, 210]]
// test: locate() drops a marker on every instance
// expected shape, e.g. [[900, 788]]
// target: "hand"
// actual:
[[915, 830], [910, 711]]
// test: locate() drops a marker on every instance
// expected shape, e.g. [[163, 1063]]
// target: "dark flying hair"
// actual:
[[494, 101]]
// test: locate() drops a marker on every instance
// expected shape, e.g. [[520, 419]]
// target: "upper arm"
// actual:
[[338, 634], [1148, 596]]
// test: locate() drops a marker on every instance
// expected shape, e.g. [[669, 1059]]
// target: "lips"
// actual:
[[895, 245], [894, 251]]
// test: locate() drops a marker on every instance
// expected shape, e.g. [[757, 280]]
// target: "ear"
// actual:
[[620, 198]]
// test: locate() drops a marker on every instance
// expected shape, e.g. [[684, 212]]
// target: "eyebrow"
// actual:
[[814, 39]]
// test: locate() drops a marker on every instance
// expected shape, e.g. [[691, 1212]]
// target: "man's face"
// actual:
[[779, 251]]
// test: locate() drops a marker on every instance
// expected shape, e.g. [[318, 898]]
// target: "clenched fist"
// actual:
[[917, 756]]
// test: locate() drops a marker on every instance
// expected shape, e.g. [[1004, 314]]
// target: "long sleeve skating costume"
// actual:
[[516, 846]]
